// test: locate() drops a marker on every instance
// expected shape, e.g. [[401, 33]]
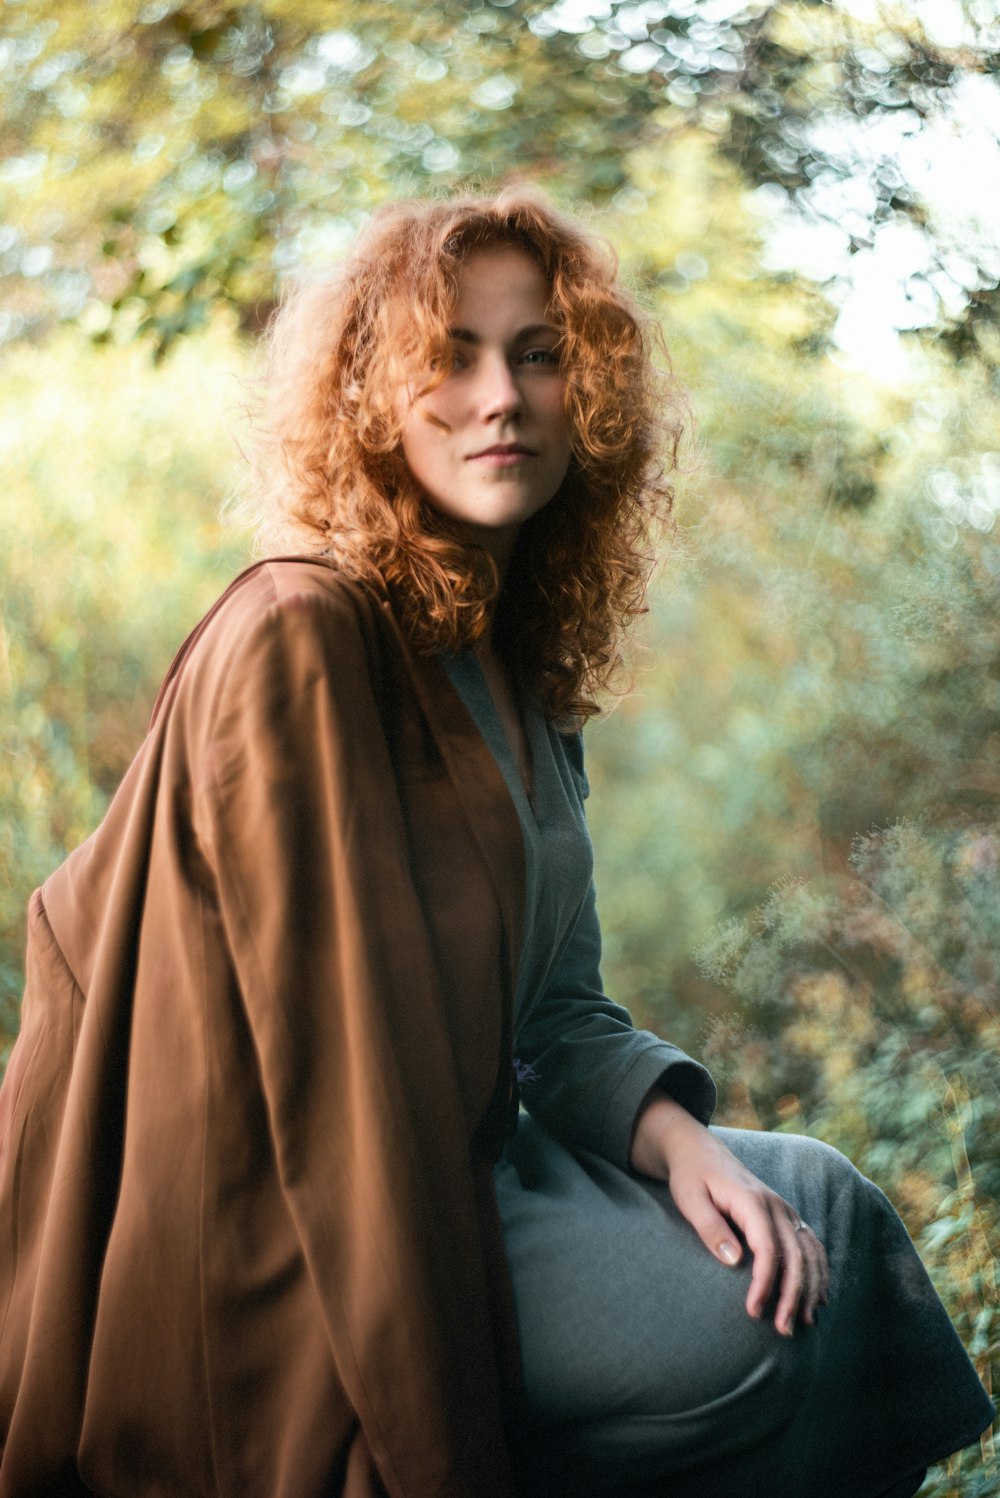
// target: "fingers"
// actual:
[[754, 1210], [816, 1290], [787, 1258], [795, 1272], [765, 1245], [803, 1271], [713, 1229]]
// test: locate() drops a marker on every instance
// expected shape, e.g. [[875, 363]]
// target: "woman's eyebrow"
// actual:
[[465, 335]]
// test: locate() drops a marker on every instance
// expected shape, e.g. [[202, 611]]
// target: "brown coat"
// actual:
[[247, 1243]]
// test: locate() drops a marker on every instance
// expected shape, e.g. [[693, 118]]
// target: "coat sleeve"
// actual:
[[583, 1067], [299, 818]]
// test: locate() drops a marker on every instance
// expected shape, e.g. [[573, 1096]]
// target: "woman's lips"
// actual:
[[501, 456]]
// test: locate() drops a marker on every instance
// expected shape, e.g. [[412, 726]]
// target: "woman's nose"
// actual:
[[499, 392]]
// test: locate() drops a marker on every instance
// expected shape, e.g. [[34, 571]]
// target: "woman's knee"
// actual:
[[812, 1175]]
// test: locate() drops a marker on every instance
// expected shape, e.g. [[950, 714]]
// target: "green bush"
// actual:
[[866, 1013]]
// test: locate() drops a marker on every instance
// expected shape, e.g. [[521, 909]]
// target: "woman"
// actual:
[[281, 1005]]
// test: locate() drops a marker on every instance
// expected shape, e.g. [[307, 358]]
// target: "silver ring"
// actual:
[[800, 1226]]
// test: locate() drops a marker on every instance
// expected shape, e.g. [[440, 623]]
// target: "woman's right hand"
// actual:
[[715, 1192]]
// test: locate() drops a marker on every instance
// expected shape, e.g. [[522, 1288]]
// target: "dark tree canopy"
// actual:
[[162, 158]]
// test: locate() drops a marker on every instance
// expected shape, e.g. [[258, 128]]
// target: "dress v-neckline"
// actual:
[[525, 768], [528, 797]]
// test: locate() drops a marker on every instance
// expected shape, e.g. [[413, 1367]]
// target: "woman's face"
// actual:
[[490, 446]]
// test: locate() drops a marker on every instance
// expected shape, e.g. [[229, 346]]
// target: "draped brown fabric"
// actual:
[[248, 1242]]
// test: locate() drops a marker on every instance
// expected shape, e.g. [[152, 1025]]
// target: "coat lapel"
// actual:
[[492, 816], [482, 790], [490, 809]]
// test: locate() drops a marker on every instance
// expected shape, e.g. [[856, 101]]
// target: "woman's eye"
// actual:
[[449, 362], [542, 357]]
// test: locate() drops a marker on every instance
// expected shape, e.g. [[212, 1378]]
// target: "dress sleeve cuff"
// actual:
[[662, 1066]]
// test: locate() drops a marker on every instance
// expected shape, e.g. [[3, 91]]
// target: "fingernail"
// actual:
[[728, 1252]]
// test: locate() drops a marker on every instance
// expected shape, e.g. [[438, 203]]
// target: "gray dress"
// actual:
[[643, 1373]]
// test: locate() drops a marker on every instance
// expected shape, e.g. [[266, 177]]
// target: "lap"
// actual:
[[639, 1357], [621, 1310]]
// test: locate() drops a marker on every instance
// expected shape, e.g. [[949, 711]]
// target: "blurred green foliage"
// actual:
[[110, 480], [866, 1013], [157, 159], [797, 811]]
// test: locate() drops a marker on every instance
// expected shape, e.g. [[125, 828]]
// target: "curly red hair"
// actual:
[[331, 478]]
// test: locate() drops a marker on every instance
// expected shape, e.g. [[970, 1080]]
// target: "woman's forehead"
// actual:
[[488, 278], [501, 281]]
